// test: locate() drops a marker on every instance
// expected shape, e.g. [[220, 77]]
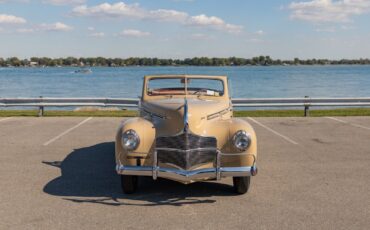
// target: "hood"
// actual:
[[169, 113]]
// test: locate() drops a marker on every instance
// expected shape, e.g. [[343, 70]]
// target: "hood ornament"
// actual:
[[186, 116]]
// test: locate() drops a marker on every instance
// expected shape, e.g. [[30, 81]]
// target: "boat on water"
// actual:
[[84, 71]]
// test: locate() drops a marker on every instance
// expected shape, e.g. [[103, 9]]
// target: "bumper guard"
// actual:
[[188, 176]]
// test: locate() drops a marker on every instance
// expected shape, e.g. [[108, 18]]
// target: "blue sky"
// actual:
[[284, 29]]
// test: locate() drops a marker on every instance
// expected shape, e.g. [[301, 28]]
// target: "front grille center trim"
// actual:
[[186, 150]]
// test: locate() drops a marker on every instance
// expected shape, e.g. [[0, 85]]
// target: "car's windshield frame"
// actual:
[[185, 89]]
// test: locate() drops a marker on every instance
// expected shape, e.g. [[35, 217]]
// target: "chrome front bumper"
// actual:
[[189, 176]]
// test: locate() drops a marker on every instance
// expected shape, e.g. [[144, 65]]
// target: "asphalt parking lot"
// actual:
[[58, 173]]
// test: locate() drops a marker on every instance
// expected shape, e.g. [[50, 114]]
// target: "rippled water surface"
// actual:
[[256, 82]]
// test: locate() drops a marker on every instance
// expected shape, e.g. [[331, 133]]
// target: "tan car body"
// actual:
[[208, 116]]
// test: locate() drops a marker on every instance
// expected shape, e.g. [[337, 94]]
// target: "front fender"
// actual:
[[246, 158], [224, 130], [146, 132]]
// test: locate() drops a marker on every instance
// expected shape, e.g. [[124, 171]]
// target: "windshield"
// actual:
[[176, 86]]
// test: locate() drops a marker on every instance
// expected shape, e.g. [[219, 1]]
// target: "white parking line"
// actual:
[[273, 131], [5, 119], [336, 119], [67, 131], [349, 123]]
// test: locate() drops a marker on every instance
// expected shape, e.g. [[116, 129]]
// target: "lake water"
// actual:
[[251, 82]]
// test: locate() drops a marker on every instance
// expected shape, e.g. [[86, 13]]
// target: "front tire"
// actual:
[[241, 184], [129, 184]]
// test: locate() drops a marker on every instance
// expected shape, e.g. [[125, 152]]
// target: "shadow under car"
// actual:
[[88, 175]]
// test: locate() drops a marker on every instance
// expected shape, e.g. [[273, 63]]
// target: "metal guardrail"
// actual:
[[305, 102], [69, 102], [42, 102]]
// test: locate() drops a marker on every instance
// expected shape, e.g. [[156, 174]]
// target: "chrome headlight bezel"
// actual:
[[238, 137], [127, 136]]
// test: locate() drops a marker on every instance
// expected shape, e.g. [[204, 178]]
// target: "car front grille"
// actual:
[[186, 150]]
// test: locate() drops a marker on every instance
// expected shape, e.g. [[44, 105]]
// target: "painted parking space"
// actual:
[[86, 132], [288, 139], [33, 132], [308, 131], [72, 180], [66, 132], [352, 122]]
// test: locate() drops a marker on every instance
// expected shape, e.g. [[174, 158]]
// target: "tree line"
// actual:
[[196, 61]]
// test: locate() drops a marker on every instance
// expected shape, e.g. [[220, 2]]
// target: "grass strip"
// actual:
[[132, 113], [61, 113]]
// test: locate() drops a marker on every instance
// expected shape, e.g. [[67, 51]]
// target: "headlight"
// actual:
[[241, 140], [130, 140]]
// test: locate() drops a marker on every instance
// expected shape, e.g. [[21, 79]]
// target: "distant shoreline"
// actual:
[[174, 66], [153, 62]]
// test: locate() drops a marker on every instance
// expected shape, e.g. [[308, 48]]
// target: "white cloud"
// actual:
[[347, 27], [123, 10], [97, 35], [200, 36], [94, 33], [168, 15], [254, 40], [326, 29], [44, 27], [119, 9], [11, 19], [58, 26], [319, 11], [53, 2], [203, 20], [64, 2], [25, 30], [22, 1], [259, 32], [214, 22], [134, 33]]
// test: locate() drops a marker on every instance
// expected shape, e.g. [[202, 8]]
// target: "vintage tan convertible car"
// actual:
[[186, 132]]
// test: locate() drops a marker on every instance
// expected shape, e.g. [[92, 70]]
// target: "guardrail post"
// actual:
[[41, 109], [306, 108]]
